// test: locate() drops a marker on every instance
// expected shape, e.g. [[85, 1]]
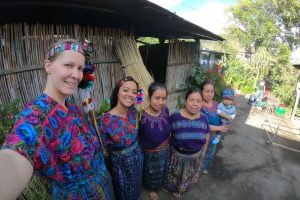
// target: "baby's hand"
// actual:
[[224, 128]]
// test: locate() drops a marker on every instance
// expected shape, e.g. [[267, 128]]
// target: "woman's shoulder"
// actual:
[[215, 103], [175, 114]]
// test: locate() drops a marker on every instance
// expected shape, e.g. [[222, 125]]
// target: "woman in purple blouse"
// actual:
[[189, 135], [119, 133], [154, 138]]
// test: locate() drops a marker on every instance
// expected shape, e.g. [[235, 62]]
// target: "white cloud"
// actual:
[[168, 4], [211, 16]]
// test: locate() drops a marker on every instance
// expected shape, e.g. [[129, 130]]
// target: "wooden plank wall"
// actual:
[[23, 48], [181, 57]]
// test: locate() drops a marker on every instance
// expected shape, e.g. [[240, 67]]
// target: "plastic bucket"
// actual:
[[280, 110]]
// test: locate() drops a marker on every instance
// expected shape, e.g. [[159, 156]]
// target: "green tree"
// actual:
[[270, 30]]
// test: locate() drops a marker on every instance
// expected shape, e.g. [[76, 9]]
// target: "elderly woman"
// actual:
[[189, 136]]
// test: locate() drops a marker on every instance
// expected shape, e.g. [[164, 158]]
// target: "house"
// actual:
[[28, 27]]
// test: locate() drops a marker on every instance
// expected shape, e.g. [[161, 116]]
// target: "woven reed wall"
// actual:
[[23, 48], [180, 58]]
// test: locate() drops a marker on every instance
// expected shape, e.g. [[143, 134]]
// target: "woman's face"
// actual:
[[193, 103], [208, 93], [158, 99], [64, 73], [127, 94]]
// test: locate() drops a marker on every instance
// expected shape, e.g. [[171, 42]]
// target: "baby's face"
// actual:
[[227, 102]]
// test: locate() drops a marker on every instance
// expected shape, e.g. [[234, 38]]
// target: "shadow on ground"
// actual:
[[247, 166]]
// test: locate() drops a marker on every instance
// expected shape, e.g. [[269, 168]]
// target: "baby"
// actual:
[[226, 110]]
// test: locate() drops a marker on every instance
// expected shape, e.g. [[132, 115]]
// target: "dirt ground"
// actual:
[[251, 163]]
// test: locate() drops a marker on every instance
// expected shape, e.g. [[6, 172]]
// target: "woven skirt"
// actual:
[[210, 153], [183, 172], [155, 168], [127, 168]]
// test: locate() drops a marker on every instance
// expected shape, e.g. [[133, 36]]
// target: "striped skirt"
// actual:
[[127, 168], [155, 168], [184, 170]]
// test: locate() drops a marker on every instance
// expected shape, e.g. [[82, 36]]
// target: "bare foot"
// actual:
[[176, 195], [153, 196]]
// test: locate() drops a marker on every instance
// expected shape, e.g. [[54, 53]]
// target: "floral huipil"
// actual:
[[118, 132], [62, 148], [119, 136]]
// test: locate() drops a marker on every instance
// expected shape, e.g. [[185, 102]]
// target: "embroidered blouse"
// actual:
[[154, 130], [189, 134], [117, 132], [212, 114], [61, 147]]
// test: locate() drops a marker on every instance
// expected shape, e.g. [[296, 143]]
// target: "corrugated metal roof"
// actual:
[[143, 18]]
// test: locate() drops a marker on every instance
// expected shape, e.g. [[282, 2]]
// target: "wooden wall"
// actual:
[[180, 58], [23, 48]]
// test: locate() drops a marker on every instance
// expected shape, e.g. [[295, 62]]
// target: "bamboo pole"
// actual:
[[130, 57]]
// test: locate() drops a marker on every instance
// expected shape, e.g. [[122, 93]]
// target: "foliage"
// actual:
[[262, 22], [260, 64], [236, 74], [255, 23], [149, 40], [104, 107], [180, 102], [38, 188], [284, 77], [7, 117], [197, 74], [270, 29]]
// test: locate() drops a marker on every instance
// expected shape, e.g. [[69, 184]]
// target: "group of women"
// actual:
[[52, 138]]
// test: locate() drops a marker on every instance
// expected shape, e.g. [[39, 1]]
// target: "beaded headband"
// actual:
[[63, 47]]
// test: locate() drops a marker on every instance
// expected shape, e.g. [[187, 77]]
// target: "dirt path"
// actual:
[[246, 166]]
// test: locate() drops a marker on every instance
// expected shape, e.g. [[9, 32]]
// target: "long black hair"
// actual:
[[190, 91], [115, 92], [204, 83], [155, 86]]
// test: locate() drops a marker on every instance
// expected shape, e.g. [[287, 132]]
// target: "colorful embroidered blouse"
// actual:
[[117, 132], [154, 130], [189, 134], [61, 147], [212, 114]]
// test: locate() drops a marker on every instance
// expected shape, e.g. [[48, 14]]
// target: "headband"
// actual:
[[63, 47]]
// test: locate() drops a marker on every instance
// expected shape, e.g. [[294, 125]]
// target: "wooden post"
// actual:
[[198, 49], [297, 101]]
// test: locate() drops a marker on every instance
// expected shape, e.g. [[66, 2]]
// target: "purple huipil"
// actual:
[[154, 130], [189, 134], [154, 137], [188, 137]]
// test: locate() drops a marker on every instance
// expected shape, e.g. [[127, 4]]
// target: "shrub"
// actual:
[[7, 117]]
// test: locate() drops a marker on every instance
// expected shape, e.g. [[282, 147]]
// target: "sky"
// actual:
[[209, 14]]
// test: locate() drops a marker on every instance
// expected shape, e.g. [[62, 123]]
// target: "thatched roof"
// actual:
[[142, 17]]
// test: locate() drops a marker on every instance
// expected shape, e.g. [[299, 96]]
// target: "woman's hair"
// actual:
[[115, 92], [155, 86], [204, 83], [52, 56], [190, 91]]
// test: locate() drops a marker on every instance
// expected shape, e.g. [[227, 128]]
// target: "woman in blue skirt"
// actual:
[[119, 132], [154, 138]]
